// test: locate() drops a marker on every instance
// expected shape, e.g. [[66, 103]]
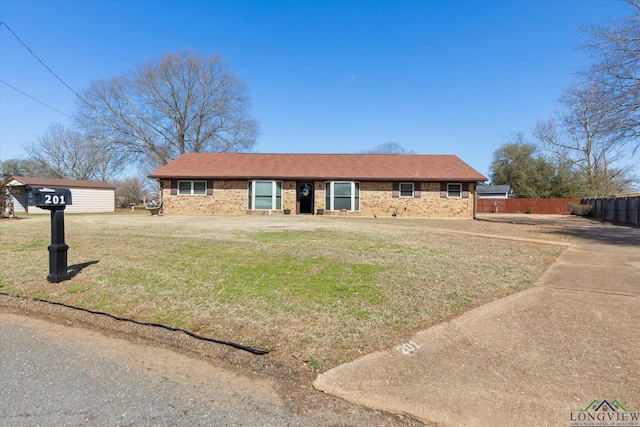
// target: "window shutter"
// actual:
[[443, 190], [174, 187], [209, 187], [465, 190], [417, 190], [396, 190]]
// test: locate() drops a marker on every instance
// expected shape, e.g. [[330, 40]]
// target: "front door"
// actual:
[[305, 197]]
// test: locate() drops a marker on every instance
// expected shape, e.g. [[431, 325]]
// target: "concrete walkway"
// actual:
[[532, 359]]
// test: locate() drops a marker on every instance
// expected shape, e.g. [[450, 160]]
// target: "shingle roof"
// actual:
[[55, 182], [485, 188], [371, 167]]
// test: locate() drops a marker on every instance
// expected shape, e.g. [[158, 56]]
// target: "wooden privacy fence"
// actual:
[[535, 206], [616, 209]]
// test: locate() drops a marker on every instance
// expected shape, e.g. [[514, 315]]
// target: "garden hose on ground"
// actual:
[[158, 325]]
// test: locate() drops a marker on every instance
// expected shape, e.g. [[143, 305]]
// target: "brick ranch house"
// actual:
[[411, 185]]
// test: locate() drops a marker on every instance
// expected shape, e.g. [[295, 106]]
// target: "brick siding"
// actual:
[[376, 198]]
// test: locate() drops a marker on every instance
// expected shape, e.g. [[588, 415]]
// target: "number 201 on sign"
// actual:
[[409, 347], [54, 199]]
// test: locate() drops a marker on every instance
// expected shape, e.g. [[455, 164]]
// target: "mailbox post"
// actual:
[[55, 200]]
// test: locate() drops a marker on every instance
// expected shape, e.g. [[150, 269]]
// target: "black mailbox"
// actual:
[[55, 200], [51, 198]]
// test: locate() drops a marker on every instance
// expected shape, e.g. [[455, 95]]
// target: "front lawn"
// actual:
[[315, 291]]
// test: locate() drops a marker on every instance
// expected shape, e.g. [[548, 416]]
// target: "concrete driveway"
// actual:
[[537, 358]]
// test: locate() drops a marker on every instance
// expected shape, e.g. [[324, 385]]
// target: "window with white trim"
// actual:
[[264, 195], [342, 195], [192, 188], [454, 191], [406, 189]]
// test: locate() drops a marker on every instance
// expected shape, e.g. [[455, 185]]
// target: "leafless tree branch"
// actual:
[[177, 103]]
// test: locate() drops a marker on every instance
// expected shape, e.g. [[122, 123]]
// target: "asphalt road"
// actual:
[[52, 375], [57, 375]]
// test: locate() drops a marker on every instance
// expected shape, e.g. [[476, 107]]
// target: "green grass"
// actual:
[[324, 290]]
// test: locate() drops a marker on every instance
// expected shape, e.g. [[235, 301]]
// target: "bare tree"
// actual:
[[130, 190], [29, 167], [177, 103], [75, 155], [389, 147], [587, 132], [615, 48]]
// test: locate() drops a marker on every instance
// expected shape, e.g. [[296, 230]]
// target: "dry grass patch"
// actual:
[[310, 289]]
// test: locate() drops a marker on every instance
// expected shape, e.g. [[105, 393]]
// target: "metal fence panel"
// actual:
[[624, 210]]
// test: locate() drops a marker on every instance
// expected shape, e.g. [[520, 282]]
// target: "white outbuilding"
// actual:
[[86, 196]]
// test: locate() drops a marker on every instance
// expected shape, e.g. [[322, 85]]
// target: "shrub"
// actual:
[[579, 209]]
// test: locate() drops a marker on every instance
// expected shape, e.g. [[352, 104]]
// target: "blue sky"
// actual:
[[437, 77]]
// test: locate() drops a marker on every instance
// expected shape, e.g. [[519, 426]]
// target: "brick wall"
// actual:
[[228, 198], [376, 198]]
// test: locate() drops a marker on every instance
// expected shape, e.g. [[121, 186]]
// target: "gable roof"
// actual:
[[56, 182], [370, 167]]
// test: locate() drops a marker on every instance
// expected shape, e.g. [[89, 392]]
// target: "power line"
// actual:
[[37, 100], [42, 62], [100, 113]]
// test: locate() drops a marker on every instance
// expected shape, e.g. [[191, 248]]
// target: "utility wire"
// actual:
[[42, 62], [53, 73], [100, 113], [37, 100]]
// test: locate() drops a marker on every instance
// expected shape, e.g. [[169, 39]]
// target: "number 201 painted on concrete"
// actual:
[[409, 347], [54, 199]]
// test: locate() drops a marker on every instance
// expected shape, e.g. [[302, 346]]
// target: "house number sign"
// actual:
[[51, 197], [54, 199]]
